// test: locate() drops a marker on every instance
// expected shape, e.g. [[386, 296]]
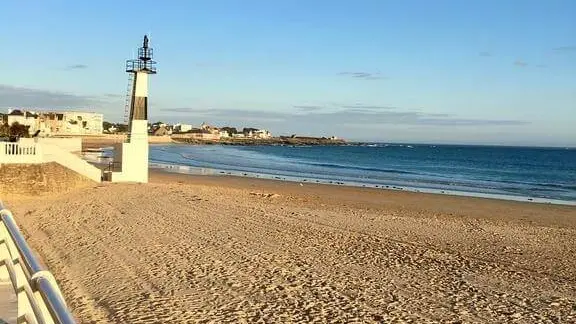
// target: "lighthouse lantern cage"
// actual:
[[144, 62]]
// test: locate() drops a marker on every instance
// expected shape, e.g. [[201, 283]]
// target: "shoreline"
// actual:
[[199, 171], [397, 185], [372, 197]]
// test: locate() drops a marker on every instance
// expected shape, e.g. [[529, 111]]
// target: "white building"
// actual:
[[182, 128], [82, 123], [224, 134], [21, 117], [58, 123], [262, 133]]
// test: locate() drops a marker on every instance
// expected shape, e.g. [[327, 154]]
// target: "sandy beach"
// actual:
[[188, 249]]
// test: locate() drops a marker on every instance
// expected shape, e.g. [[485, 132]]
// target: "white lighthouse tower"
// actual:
[[131, 156]]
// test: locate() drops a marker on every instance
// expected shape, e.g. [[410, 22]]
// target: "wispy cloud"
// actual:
[[319, 120], [309, 107], [437, 115], [565, 49], [470, 122], [485, 54], [113, 95], [364, 75], [76, 67], [366, 107], [520, 63], [11, 96], [342, 107], [187, 110], [226, 116]]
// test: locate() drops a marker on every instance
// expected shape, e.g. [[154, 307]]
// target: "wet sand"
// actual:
[[187, 249]]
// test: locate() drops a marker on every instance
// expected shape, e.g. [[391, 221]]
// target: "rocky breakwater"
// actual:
[[282, 140]]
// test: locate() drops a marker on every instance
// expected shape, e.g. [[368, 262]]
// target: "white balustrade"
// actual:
[[20, 153], [29, 152]]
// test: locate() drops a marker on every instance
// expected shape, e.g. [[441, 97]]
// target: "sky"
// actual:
[[474, 72]]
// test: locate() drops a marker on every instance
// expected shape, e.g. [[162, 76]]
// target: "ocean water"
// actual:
[[519, 173]]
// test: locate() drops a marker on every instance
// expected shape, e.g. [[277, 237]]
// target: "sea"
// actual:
[[546, 175]]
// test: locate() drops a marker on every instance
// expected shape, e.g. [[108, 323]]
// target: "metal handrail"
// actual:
[[41, 279], [29, 294], [53, 299], [30, 263]]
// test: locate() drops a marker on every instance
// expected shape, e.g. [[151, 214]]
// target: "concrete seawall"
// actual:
[[33, 179]]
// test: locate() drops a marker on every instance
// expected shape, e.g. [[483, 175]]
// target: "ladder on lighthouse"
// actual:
[[128, 101]]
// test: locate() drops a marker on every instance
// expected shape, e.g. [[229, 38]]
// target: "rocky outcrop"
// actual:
[[295, 141]]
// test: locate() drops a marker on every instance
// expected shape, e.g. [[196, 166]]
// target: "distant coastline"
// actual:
[[282, 140], [100, 141]]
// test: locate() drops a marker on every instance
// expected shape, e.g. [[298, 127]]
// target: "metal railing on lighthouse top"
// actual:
[[144, 62], [141, 66], [44, 303]]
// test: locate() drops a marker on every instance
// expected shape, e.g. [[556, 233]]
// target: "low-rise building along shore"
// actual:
[[207, 132], [54, 123]]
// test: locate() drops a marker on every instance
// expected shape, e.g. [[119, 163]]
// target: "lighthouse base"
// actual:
[[132, 156]]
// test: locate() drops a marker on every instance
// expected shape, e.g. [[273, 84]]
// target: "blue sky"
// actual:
[[492, 72]]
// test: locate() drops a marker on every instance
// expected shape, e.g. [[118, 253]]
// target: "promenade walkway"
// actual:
[[8, 303]]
